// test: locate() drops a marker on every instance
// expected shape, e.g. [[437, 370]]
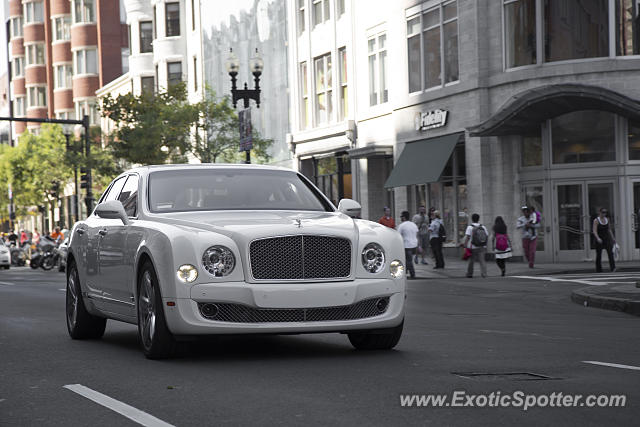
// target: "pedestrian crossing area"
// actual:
[[591, 279]]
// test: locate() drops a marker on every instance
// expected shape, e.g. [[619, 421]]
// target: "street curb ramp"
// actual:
[[590, 297]]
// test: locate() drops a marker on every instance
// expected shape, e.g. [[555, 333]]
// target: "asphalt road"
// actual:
[[453, 327]]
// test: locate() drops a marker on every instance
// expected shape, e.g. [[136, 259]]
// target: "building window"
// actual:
[[61, 26], [324, 107], [37, 96], [63, 115], [332, 175], [340, 8], [16, 27], [627, 27], [320, 12], [84, 11], [344, 94], [193, 15], [146, 36], [174, 73], [576, 30], [35, 54], [18, 106], [634, 140], [87, 108], [155, 29], [172, 11], [520, 32], [62, 76], [583, 137], [147, 84], [301, 16], [33, 12], [531, 150], [304, 92], [195, 74], [85, 61], [17, 67], [432, 47], [377, 49]]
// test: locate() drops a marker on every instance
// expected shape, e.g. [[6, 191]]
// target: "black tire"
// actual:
[[155, 338], [47, 263], [376, 340], [6, 267], [81, 324]]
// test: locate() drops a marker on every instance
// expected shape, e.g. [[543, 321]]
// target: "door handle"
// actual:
[[80, 231], [102, 232]]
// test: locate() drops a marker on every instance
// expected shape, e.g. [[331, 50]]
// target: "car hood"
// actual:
[[244, 226]]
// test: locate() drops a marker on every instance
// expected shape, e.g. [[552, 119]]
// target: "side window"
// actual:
[[114, 190], [129, 196]]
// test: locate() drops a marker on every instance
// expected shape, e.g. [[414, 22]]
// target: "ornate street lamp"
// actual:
[[256, 65]]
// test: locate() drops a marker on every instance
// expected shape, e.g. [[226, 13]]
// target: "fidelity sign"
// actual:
[[431, 119]]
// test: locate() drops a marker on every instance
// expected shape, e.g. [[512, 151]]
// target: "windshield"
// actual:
[[232, 189]]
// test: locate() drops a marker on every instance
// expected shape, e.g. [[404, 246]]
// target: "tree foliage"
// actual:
[[151, 128]]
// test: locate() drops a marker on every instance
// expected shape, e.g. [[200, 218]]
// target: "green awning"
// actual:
[[422, 161]]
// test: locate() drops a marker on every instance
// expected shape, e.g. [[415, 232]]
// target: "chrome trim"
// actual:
[[107, 299]]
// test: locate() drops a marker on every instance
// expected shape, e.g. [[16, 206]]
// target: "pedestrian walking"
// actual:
[[604, 240], [528, 224], [437, 235], [35, 237], [387, 219], [501, 244], [476, 237], [421, 220], [409, 232]]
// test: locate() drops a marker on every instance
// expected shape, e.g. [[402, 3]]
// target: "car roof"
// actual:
[[191, 166]]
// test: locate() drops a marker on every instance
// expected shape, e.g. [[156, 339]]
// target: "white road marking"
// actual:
[[128, 411], [557, 279], [612, 365], [63, 289], [7, 284]]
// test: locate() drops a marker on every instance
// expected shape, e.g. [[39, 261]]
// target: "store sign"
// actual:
[[431, 119]]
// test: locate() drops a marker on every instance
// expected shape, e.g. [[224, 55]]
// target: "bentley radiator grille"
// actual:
[[300, 257], [239, 313]]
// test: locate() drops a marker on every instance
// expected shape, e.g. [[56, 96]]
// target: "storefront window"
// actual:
[[463, 211], [627, 27], [333, 177], [520, 32], [533, 197], [576, 29], [531, 151], [582, 137], [634, 140]]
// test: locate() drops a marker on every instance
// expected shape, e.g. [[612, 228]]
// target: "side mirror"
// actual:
[[112, 209], [350, 207]]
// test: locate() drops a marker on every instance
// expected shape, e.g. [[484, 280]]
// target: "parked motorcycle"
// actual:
[[50, 254], [18, 256]]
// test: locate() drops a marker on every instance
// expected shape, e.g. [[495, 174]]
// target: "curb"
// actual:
[[587, 299]]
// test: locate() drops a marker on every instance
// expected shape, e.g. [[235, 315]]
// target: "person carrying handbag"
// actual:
[[604, 240], [501, 244]]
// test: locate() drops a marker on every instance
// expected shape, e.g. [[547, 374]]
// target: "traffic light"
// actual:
[[84, 178]]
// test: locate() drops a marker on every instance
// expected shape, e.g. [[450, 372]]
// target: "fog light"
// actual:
[[187, 273], [397, 269]]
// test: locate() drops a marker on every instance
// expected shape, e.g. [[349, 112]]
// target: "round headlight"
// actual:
[[397, 269], [373, 258], [218, 261], [187, 273]]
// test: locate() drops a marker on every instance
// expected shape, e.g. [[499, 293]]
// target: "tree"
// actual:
[[151, 128], [216, 134]]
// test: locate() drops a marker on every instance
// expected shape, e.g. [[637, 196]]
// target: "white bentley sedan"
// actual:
[[188, 250]]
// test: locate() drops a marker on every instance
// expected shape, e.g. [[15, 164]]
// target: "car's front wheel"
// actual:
[[80, 323], [376, 340], [156, 339]]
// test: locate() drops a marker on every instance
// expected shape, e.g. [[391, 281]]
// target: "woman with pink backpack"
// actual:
[[501, 244]]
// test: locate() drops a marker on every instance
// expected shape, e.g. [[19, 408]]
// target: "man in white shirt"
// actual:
[[476, 237], [409, 231]]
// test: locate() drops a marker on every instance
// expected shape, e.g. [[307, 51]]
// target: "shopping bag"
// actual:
[[467, 254], [616, 251]]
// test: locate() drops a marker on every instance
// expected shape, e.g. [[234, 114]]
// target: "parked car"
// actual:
[[5, 256], [62, 254], [184, 250]]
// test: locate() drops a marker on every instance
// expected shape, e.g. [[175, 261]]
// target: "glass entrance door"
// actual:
[[577, 205], [635, 216]]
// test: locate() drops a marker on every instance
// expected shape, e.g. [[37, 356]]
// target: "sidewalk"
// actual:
[[457, 268], [618, 297]]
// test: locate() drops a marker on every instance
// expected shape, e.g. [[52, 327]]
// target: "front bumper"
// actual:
[[185, 318], [5, 259]]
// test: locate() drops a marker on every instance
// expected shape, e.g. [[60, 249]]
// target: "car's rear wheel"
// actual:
[[80, 323], [156, 339], [376, 340]]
